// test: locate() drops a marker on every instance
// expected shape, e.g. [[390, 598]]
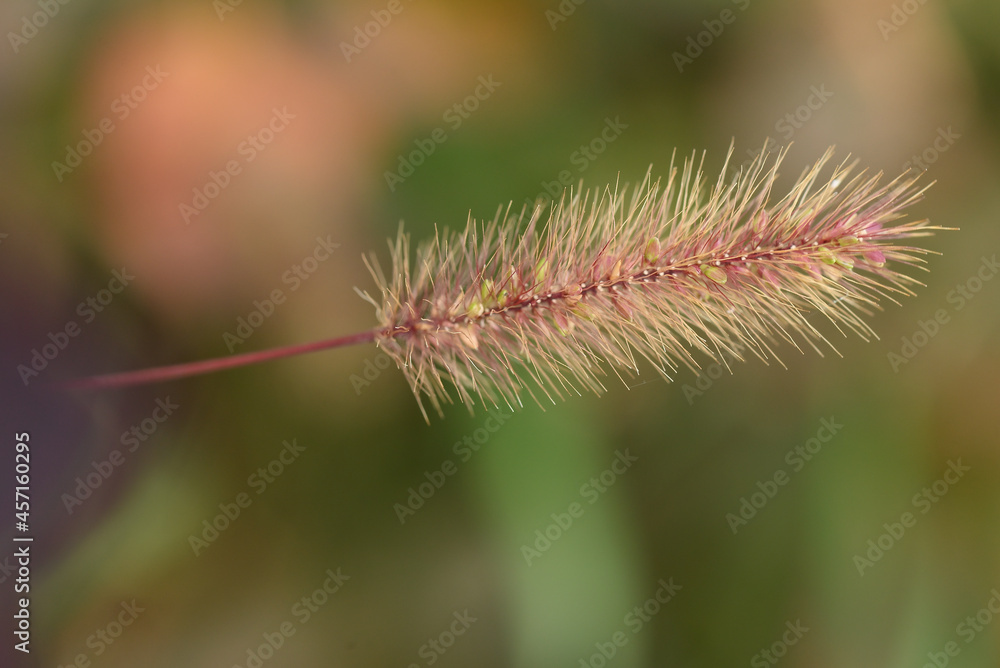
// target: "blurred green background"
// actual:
[[795, 581]]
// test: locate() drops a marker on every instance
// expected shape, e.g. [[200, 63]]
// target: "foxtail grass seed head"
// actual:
[[660, 272], [524, 306]]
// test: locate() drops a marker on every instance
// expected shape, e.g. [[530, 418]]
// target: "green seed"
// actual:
[[583, 311], [715, 274], [540, 268], [486, 289], [652, 250]]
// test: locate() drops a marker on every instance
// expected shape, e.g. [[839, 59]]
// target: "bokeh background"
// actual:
[[884, 82]]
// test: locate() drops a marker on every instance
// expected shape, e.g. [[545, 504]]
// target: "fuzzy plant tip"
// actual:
[[661, 272]]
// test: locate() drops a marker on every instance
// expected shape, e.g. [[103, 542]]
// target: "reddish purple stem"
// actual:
[[162, 373]]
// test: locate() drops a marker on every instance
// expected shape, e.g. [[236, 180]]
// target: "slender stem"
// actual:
[[162, 373]]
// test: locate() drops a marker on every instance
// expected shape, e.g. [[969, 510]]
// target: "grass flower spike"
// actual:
[[616, 278], [656, 273]]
